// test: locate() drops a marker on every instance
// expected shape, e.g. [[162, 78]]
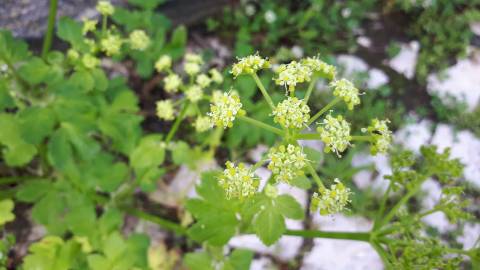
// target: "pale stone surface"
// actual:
[[341, 254], [406, 60], [461, 81]]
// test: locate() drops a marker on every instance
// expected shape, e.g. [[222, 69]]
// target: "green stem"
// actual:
[[261, 125], [314, 175], [382, 207], [381, 252], [307, 136], [47, 41], [363, 138], [309, 90], [263, 90], [358, 236], [166, 224], [399, 204], [323, 110], [176, 125], [104, 25]]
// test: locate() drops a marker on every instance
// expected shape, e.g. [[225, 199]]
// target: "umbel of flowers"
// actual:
[[99, 37], [286, 160]]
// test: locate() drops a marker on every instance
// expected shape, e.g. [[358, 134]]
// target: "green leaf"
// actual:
[[240, 259], [146, 4], [59, 151], [269, 224], [82, 80], [314, 156], [12, 50], [34, 71], [71, 31], [36, 123], [301, 182], [17, 151], [33, 190], [49, 210], [51, 253], [289, 207], [6, 211], [198, 261], [176, 47], [149, 153], [6, 101]]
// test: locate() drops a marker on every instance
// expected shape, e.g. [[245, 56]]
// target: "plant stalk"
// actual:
[[323, 110], [176, 125], [263, 90], [358, 236], [261, 125], [52, 15]]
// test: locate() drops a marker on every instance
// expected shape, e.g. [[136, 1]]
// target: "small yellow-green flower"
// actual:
[[72, 54], [105, 8], [216, 76], [319, 67], [203, 80], [291, 113], [249, 65], [89, 26], [191, 68], [347, 91], [90, 61], [202, 124], [225, 108], [238, 181], [172, 83], [193, 58], [381, 136], [289, 75], [111, 44], [286, 163], [139, 40], [194, 93], [163, 63], [330, 201], [165, 109], [335, 133]]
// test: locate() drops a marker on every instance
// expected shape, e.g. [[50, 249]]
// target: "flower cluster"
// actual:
[[289, 75], [249, 65], [330, 201], [111, 44], [192, 64], [202, 124], [319, 67], [139, 40], [335, 133], [163, 63], [347, 91], [194, 93], [105, 8], [238, 182], [291, 113], [172, 83], [225, 108], [381, 136], [286, 163], [165, 109]]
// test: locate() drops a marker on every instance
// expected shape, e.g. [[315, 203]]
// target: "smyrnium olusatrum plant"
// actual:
[[236, 201]]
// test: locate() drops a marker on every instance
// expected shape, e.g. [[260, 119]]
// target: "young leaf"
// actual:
[[198, 261], [33, 190], [269, 225], [6, 214], [289, 207]]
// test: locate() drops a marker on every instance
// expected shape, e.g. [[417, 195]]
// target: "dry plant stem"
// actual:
[[263, 90]]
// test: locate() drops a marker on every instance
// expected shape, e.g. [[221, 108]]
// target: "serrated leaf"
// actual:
[[6, 211], [12, 49], [33, 190], [301, 182], [198, 261], [34, 71], [289, 207], [269, 225], [59, 150], [71, 31], [240, 259]]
